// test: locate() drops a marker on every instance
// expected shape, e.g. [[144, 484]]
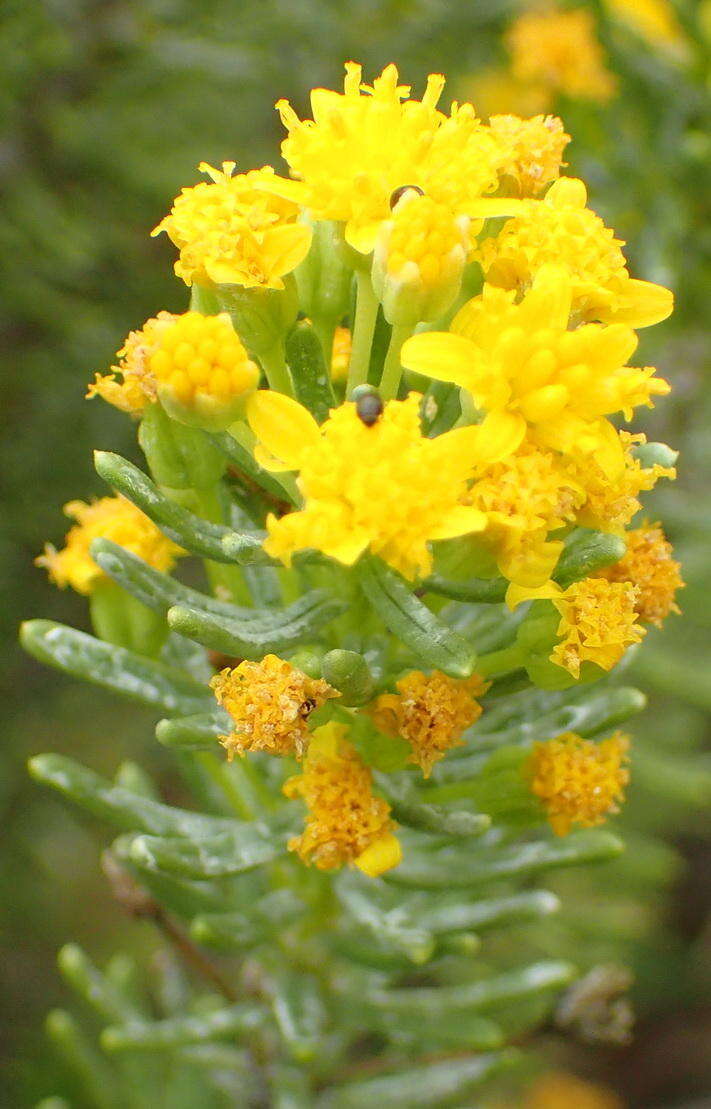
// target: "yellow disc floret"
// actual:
[[559, 51], [563, 230], [578, 781], [381, 486], [612, 501], [270, 703], [559, 1090], [234, 230], [431, 712], [341, 354], [531, 151], [346, 821], [648, 565], [112, 518], [598, 623]]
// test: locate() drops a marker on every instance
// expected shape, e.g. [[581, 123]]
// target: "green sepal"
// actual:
[[431, 642], [189, 531], [311, 376], [349, 673], [324, 278], [585, 554], [179, 457], [115, 668], [261, 317]]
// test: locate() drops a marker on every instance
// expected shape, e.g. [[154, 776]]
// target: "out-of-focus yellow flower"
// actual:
[[365, 144], [530, 373], [112, 518], [195, 365], [531, 151], [559, 50], [562, 230], [579, 782], [233, 230], [612, 502], [653, 20], [495, 90], [379, 486], [559, 1090], [346, 821], [526, 496], [270, 702], [419, 259], [648, 565], [431, 712], [341, 354]]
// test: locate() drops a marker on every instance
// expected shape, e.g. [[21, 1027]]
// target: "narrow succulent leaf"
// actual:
[[289, 1087], [458, 1029], [452, 868], [431, 641], [588, 552], [311, 376], [98, 1080], [496, 912], [445, 1082], [93, 987], [177, 1031], [245, 462], [198, 732], [242, 847], [194, 534], [471, 590], [237, 930], [299, 1012], [114, 668], [247, 639], [383, 951], [455, 823], [124, 810]]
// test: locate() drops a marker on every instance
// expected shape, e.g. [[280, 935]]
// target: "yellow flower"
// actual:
[[341, 354], [653, 20], [496, 90], [270, 702], [380, 486], [346, 821], [526, 496], [648, 565], [365, 144], [565, 1091], [578, 781], [430, 711], [598, 622], [235, 231], [112, 518], [529, 372], [194, 364], [560, 51], [531, 150], [562, 230], [612, 501], [419, 259]]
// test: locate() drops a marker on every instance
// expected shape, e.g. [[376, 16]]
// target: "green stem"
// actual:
[[221, 576], [500, 662], [276, 369], [325, 329], [366, 315], [392, 370]]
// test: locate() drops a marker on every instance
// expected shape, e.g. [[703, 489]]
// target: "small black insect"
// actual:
[[396, 194], [369, 405], [307, 707]]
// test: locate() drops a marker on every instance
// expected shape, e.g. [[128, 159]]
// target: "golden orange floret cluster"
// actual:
[[112, 518], [579, 781], [559, 1090], [611, 501], [341, 353], [649, 566], [234, 230], [346, 822], [270, 703], [561, 229], [367, 142], [383, 487], [598, 623], [559, 51], [531, 150], [431, 712]]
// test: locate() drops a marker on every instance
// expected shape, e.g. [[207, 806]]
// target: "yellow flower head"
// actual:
[[531, 150], [528, 371], [194, 364], [559, 1090], [365, 144], [563, 230], [233, 230], [112, 518], [380, 486], [494, 89], [270, 702], [431, 712], [346, 821], [578, 781], [559, 51], [598, 623], [341, 354], [648, 565], [612, 501], [526, 496], [653, 20]]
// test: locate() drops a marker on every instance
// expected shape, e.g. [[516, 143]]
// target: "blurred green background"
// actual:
[[108, 108]]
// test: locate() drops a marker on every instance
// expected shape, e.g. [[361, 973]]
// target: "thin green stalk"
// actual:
[[221, 576], [500, 662], [392, 370], [325, 329], [276, 369], [366, 315]]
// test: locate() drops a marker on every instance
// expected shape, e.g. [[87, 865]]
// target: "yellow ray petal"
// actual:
[[500, 434], [441, 355], [517, 594], [460, 520], [282, 425], [643, 304]]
